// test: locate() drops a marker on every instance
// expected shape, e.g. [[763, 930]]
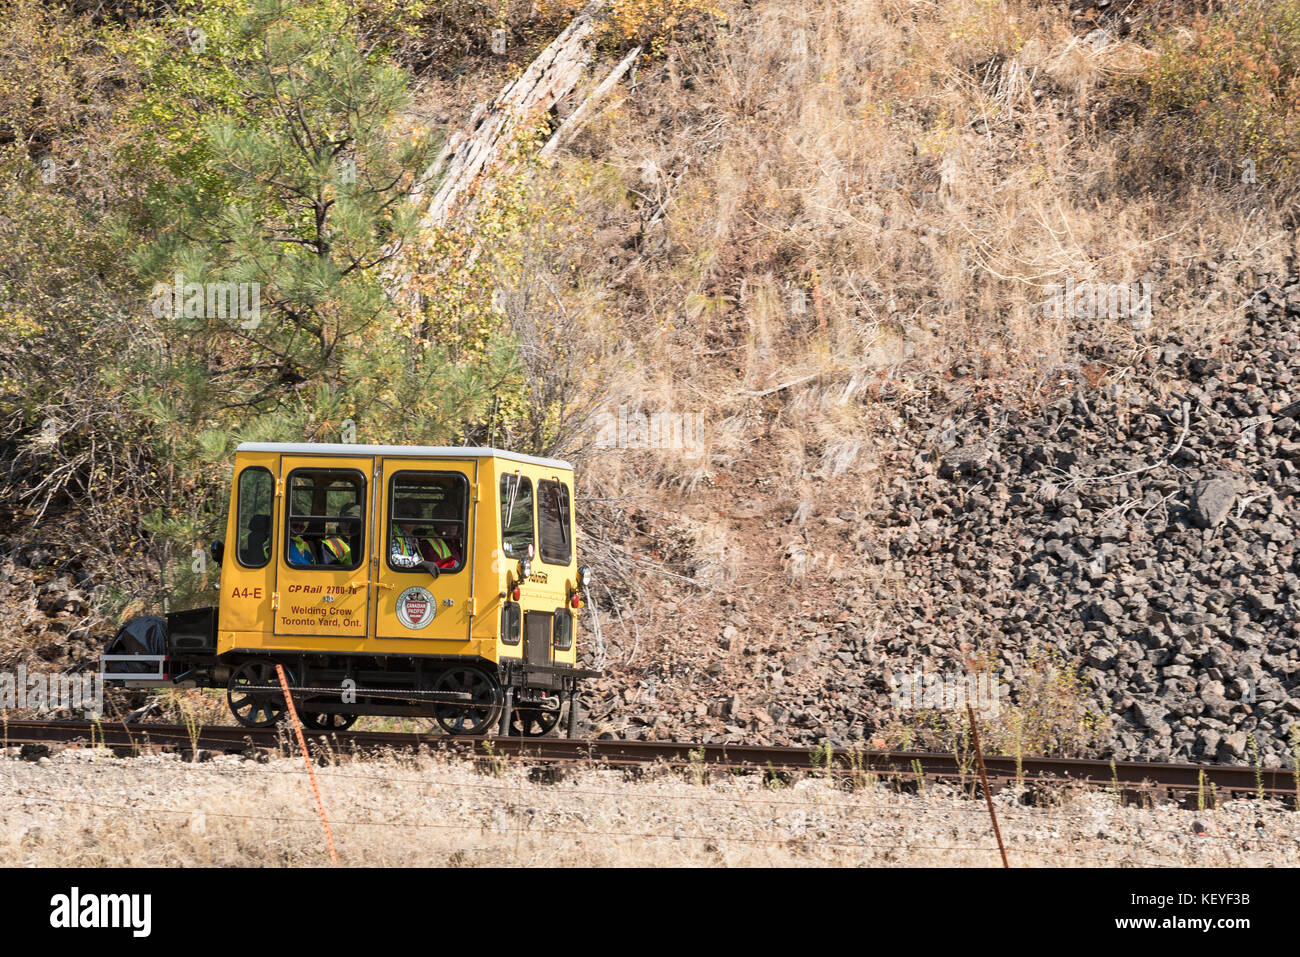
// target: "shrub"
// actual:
[[1231, 93], [651, 23], [1045, 713]]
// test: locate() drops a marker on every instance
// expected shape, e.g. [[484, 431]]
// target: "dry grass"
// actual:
[[1050, 716], [920, 192], [830, 202], [841, 188], [89, 809]]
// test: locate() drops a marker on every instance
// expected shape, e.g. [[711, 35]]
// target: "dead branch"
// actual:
[[578, 116], [552, 75]]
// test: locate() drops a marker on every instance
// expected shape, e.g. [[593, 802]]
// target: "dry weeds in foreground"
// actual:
[[84, 808]]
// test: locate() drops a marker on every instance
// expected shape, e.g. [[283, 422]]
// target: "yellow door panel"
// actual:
[[322, 555], [427, 516], [248, 570]]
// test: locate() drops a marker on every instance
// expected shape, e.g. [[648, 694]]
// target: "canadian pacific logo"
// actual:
[[415, 607]]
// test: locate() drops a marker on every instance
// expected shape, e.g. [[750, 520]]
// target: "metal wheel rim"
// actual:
[[255, 709], [477, 716], [533, 721]]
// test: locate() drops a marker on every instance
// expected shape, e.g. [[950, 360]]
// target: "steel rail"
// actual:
[[1204, 783]]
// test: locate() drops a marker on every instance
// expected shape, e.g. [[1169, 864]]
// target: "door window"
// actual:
[[326, 523], [428, 518], [253, 517]]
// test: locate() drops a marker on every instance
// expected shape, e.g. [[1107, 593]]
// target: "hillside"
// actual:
[[826, 240]]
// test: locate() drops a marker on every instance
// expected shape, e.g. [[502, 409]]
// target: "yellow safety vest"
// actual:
[[340, 549], [405, 546]]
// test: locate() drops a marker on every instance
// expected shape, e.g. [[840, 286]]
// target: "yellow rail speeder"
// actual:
[[391, 580]]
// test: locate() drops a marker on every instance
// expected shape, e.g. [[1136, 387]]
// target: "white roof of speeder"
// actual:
[[399, 451]]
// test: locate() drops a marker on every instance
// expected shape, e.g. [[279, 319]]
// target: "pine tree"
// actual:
[[312, 178], [304, 191]]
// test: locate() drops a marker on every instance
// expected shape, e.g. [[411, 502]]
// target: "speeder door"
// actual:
[[426, 518], [322, 580]]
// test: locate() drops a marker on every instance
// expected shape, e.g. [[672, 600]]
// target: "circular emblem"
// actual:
[[415, 607]]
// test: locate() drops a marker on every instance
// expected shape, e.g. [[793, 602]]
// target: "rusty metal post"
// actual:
[[984, 779]]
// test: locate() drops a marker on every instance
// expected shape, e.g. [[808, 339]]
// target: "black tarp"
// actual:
[[146, 635]]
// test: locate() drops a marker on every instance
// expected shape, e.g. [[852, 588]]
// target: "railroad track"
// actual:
[[1189, 784]]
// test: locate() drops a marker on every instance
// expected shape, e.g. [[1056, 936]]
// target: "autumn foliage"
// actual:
[[1229, 90]]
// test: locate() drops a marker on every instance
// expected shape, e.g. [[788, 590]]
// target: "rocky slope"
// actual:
[[1148, 526], [1141, 525], [50, 622]]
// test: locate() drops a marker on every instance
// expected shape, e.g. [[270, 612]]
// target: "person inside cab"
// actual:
[[404, 548], [301, 553], [413, 547], [258, 548], [335, 549], [442, 547]]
